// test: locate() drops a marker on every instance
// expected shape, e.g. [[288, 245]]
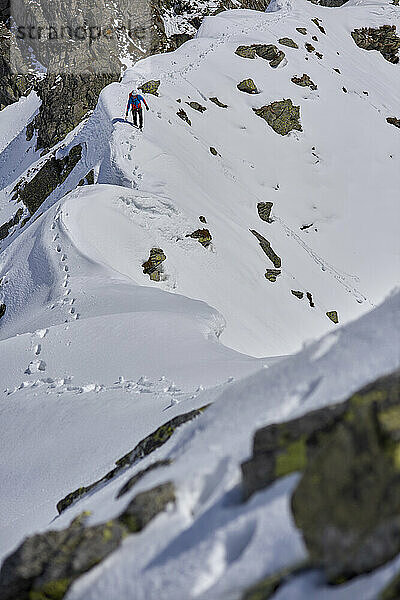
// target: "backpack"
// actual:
[[137, 103]]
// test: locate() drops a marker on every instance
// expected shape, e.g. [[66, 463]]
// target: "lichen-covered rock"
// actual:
[[267, 249], [248, 86], [3, 309], [45, 565], [347, 503], [218, 102], [152, 266], [317, 22], [284, 448], [268, 52], [147, 505], [158, 437], [304, 81], [203, 236], [302, 30], [196, 106], [183, 115], [281, 115], [142, 449], [309, 47], [272, 274], [286, 41], [333, 316], [246, 51], [298, 294], [5, 228], [132, 481], [53, 173], [150, 87], [213, 151], [383, 39], [393, 121], [264, 211], [281, 449]]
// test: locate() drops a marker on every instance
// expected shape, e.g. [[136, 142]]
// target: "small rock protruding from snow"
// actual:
[[248, 86]]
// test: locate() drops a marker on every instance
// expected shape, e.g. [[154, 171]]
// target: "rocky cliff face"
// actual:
[[12, 85]]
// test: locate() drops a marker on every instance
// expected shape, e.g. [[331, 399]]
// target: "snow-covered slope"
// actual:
[[337, 179], [94, 355]]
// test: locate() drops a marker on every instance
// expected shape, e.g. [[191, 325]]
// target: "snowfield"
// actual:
[[94, 355]]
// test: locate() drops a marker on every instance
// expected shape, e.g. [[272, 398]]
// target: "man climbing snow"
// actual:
[[135, 101]]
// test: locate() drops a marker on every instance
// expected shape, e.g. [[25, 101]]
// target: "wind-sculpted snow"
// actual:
[[214, 545]]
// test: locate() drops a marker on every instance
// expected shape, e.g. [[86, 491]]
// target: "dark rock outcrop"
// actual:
[[152, 266], [45, 565], [248, 86], [196, 106], [286, 41], [150, 87], [203, 236], [138, 476], [183, 115], [302, 30], [393, 121], [147, 505], [351, 485], [268, 52], [267, 249], [51, 175], [264, 211], [304, 81], [272, 274], [66, 100], [177, 39], [383, 39], [329, 3], [142, 449], [298, 294], [3, 309], [281, 115], [15, 80], [333, 316], [218, 102], [310, 299], [5, 228], [347, 502], [317, 22], [260, 5]]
